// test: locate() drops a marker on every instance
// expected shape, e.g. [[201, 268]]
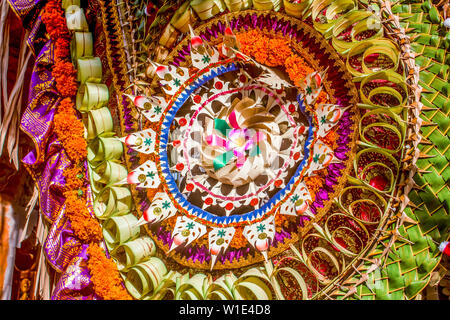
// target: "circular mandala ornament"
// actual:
[[236, 142], [255, 152]]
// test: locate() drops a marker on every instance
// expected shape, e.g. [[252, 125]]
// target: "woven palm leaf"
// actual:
[[414, 254]]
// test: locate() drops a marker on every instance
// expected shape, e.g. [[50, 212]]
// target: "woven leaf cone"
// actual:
[[405, 271], [404, 250]]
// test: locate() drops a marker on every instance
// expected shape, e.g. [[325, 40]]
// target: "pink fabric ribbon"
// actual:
[[238, 140]]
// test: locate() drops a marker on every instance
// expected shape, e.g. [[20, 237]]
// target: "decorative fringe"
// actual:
[[10, 106]]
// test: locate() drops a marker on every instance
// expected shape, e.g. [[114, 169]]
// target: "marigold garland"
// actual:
[[85, 227], [70, 132], [74, 178], [63, 71], [269, 51], [62, 49], [274, 52], [54, 20], [65, 77], [104, 275], [297, 68]]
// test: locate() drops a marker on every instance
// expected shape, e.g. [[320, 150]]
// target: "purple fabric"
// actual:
[[47, 162], [28, 11], [75, 280]]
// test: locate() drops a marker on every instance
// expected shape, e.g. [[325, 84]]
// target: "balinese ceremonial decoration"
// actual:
[[233, 142], [237, 149]]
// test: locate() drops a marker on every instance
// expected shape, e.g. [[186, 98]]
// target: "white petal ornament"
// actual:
[[144, 176], [171, 77], [142, 141], [230, 41], [202, 55], [268, 77], [220, 86], [298, 202], [219, 240], [312, 86], [180, 167], [160, 209], [328, 116], [260, 234], [323, 155], [273, 80], [151, 107], [186, 231]]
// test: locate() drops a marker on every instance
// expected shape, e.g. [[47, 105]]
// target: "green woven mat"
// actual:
[[414, 254]]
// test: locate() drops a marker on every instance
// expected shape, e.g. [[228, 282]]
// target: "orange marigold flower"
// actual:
[[62, 49], [297, 68], [54, 20], [279, 51], [275, 52], [238, 240], [104, 275], [74, 178], [247, 40], [70, 131], [84, 226], [314, 184], [65, 77], [322, 98], [269, 51], [282, 221]]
